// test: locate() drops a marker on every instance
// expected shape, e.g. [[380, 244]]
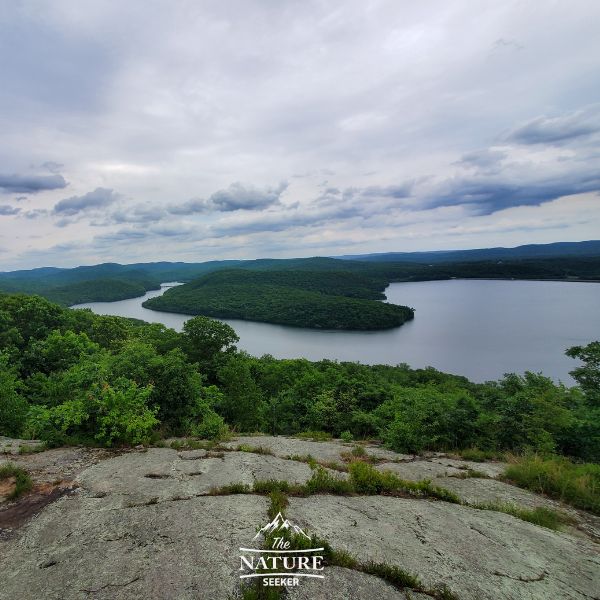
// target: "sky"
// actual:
[[199, 130]]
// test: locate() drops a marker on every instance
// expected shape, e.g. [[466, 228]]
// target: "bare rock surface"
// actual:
[[418, 469], [477, 554], [332, 450], [58, 463], [491, 491], [161, 474], [349, 585], [140, 524], [80, 548], [491, 469], [15, 446]]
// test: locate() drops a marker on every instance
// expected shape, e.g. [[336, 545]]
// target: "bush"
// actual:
[[346, 436]]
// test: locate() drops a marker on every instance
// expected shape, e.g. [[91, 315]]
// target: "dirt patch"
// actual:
[[17, 513], [7, 487]]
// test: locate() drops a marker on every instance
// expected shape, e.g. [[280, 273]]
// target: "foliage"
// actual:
[[13, 407], [69, 376], [325, 300], [588, 375]]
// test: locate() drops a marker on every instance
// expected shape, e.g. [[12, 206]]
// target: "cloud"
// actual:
[[6, 210], [557, 130], [99, 198], [31, 184], [482, 159], [489, 195], [236, 197]]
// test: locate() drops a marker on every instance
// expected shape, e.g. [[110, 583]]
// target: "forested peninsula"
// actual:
[[315, 299]]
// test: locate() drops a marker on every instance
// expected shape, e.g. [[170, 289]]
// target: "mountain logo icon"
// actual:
[[279, 524]]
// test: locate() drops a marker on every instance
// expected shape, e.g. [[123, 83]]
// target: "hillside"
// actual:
[[554, 250], [112, 281]]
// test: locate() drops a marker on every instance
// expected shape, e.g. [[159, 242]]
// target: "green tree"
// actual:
[[13, 407], [588, 374], [208, 342]]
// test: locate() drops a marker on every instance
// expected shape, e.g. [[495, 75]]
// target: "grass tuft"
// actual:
[[315, 436], [322, 481], [576, 484], [23, 482], [540, 515], [367, 480], [232, 488], [254, 449]]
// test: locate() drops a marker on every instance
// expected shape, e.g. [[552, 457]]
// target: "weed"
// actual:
[[24, 449], [394, 575], [367, 480], [346, 436], [254, 449], [315, 436], [476, 455], [232, 488], [576, 484], [540, 515], [325, 482], [23, 481]]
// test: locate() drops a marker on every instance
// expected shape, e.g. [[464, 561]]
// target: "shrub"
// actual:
[[346, 436], [324, 481]]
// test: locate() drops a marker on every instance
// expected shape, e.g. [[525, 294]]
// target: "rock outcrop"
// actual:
[[143, 524]]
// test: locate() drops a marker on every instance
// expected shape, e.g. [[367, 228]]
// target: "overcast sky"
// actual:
[[172, 130]]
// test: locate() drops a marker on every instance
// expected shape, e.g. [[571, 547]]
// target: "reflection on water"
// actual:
[[477, 328]]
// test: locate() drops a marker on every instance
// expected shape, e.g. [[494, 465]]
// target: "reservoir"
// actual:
[[477, 328]]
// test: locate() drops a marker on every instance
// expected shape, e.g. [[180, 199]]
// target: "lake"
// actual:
[[477, 328]]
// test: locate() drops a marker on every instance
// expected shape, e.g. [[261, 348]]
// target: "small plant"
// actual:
[[266, 486], [254, 449], [394, 575], [476, 455], [367, 480], [346, 436], [24, 449], [232, 488], [470, 473], [322, 481], [22, 479], [315, 436], [540, 515]]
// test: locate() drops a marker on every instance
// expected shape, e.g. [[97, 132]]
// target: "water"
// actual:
[[477, 328]]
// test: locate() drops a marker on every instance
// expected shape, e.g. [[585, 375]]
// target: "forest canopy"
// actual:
[[70, 376]]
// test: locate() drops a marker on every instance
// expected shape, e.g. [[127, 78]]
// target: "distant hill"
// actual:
[[555, 250], [113, 281]]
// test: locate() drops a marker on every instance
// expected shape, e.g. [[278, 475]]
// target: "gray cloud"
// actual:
[[482, 159], [556, 130], [489, 195], [236, 197], [7, 210], [99, 198], [30, 184], [177, 103]]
